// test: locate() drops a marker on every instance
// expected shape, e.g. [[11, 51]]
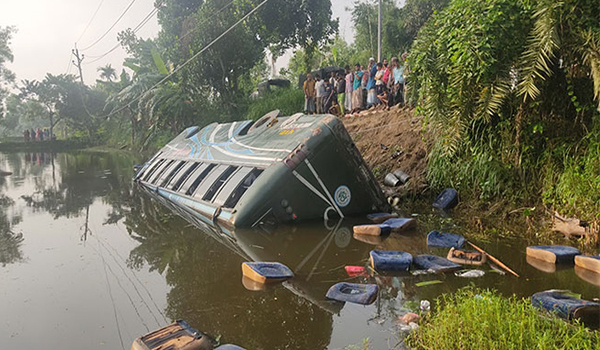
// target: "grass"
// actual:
[[482, 319], [287, 100], [575, 189]]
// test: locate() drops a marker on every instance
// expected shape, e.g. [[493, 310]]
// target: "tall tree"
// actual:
[[400, 25], [66, 99], [107, 72], [7, 77], [277, 26]]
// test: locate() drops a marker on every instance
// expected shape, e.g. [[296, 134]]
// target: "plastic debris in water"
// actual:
[[469, 273], [425, 305], [497, 270], [354, 271], [427, 283], [410, 317], [409, 327]]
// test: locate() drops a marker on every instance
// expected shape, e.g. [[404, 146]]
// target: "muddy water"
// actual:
[[87, 260]]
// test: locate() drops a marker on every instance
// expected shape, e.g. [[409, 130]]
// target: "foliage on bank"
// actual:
[[510, 89], [287, 100], [400, 27], [482, 319]]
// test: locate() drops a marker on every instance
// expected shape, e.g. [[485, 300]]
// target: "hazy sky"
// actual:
[[48, 29]]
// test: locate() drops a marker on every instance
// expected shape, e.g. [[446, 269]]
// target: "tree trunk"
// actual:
[[51, 125], [518, 130], [132, 131]]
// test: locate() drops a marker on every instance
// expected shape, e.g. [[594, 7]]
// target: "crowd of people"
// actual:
[[37, 135], [380, 85]]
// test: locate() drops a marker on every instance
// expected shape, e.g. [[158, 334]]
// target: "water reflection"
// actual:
[[75, 228], [10, 241]]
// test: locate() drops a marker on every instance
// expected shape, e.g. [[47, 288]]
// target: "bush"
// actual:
[[287, 100], [460, 64], [482, 319], [507, 88], [574, 183]]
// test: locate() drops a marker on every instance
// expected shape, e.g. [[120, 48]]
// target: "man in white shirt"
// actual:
[[320, 87]]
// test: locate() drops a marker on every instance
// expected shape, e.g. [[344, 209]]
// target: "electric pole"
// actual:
[[379, 33], [77, 64], [79, 58]]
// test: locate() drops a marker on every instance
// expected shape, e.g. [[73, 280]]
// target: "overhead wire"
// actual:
[[91, 20], [216, 13], [111, 27], [190, 59], [144, 21], [135, 30], [68, 69]]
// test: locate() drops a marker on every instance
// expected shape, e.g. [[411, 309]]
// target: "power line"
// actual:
[[135, 30], [112, 26], [144, 21], [91, 20], [190, 59], [216, 13], [68, 69]]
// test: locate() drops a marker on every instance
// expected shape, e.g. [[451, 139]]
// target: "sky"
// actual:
[[47, 31]]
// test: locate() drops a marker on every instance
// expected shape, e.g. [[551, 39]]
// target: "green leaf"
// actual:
[[131, 66], [158, 61]]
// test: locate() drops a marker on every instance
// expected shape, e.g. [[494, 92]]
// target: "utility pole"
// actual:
[[379, 33], [77, 64]]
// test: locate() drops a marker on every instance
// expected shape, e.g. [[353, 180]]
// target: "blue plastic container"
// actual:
[[378, 218], [566, 307], [264, 272], [372, 230], [363, 294], [434, 263], [445, 240], [558, 254], [448, 199], [229, 347], [400, 224], [390, 260]]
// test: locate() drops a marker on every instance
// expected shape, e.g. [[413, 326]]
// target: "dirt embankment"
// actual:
[[391, 140]]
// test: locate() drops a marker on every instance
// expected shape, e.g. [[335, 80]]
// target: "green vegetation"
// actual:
[[6, 76], [174, 80], [512, 115], [399, 30], [287, 100], [482, 319], [509, 88]]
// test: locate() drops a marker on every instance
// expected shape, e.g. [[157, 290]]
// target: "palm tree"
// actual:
[[108, 73]]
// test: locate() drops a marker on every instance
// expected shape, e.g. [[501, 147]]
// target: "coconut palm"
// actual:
[[107, 72]]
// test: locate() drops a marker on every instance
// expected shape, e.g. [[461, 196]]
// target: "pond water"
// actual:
[[90, 261]]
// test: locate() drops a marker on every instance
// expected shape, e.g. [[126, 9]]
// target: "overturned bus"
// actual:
[[277, 170]]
